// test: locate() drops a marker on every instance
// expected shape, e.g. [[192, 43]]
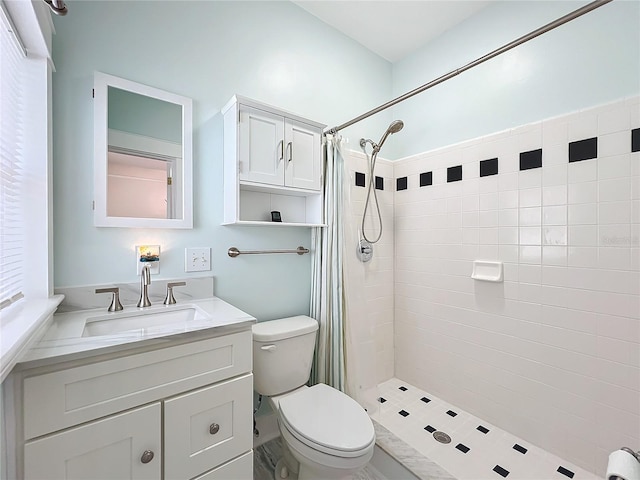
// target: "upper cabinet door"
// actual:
[[261, 148], [302, 156]]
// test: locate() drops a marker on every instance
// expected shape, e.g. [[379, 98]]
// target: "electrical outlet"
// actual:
[[197, 259]]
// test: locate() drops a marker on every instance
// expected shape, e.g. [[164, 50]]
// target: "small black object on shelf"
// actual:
[[275, 216]]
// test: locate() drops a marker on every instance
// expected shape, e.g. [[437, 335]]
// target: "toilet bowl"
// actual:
[[326, 434]]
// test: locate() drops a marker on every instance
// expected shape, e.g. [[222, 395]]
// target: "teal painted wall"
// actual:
[[591, 60], [273, 52]]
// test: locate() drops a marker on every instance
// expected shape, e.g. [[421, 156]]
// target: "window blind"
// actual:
[[12, 138]]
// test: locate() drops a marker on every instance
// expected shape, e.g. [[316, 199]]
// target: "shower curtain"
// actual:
[[327, 295]]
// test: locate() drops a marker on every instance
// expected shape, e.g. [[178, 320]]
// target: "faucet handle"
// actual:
[[115, 306], [169, 299]]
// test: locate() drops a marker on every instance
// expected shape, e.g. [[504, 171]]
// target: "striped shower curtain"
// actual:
[[327, 294]]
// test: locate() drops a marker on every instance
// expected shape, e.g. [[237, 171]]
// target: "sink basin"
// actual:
[[142, 321]]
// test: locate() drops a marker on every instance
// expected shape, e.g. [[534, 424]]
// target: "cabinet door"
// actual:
[[261, 146], [106, 449], [303, 156], [207, 427]]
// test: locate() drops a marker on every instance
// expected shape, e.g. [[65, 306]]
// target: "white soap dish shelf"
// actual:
[[487, 271]]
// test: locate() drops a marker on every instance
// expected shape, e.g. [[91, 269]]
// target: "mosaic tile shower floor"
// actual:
[[478, 450]]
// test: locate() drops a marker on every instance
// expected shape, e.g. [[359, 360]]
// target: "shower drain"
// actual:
[[442, 437]]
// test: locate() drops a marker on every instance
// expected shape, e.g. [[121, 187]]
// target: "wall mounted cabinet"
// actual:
[[272, 162]]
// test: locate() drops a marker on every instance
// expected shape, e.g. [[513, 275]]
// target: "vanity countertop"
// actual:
[[63, 341]]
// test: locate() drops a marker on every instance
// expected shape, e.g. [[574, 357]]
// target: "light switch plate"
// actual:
[[197, 259], [148, 255]]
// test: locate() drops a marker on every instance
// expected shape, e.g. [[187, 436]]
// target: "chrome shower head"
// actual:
[[394, 127]]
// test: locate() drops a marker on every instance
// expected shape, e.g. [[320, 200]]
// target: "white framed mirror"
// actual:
[[142, 156]]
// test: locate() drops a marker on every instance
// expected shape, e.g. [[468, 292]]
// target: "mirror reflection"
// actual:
[[144, 156], [143, 161]]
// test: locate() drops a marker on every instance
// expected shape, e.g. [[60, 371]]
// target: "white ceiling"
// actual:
[[392, 28]]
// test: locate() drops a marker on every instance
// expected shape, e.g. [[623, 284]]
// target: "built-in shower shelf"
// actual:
[[487, 271]]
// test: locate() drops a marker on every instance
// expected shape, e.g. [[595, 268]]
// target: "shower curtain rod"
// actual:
[[525, 38]]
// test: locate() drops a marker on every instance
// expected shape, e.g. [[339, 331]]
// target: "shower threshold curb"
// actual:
[[414, 461]]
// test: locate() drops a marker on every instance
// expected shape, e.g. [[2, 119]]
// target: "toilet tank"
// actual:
[[282, 354]]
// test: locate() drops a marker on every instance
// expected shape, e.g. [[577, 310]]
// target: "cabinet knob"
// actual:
[[214, 428], [147, 456]]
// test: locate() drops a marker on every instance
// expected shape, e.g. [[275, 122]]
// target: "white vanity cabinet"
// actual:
[[272, 161], [182, 411]]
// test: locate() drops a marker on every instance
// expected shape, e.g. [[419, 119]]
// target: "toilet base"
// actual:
[[282, 471], [288, 468]]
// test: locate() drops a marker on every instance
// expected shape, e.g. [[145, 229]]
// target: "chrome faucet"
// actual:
[[145, 281]]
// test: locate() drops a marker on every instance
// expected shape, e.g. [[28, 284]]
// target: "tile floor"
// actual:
[[267, 454], [478, 450]]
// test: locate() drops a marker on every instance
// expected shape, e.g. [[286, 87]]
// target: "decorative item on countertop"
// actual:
[[148, 255], [624, 464], [487, 271]]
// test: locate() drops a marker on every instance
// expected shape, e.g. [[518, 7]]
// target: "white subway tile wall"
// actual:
[[551, 355]]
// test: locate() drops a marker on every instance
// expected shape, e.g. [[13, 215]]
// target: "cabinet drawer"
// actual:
[[207, 427], [240, 468], [108, 448], [84, 393]]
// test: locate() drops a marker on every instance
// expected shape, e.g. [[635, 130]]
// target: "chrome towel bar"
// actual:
[[234, 252]]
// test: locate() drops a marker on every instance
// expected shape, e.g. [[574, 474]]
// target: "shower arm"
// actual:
[[519, 41]]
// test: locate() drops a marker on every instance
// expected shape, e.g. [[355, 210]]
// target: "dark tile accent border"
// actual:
[[451, 413], [382, 399], [379, 183], [565, 471], [635, 140], [462, 448], [401, 183], [520, 448], [583, 150], [531, 159], [489, 167], [482, 429], [501, 471], [426, 179], [360, 181], [429, 429], [404, 389], [425, 399], [454, 174], [404, 413]]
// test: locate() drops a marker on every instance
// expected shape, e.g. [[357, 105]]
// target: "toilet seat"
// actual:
[[327, 420]]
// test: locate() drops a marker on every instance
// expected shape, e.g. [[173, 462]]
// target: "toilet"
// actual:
[[326, 434]]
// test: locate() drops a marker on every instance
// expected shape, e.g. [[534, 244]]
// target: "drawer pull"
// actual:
[[214, 428], [147, 456]]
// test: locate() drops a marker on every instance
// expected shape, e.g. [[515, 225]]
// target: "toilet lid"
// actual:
[[326, 417]]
